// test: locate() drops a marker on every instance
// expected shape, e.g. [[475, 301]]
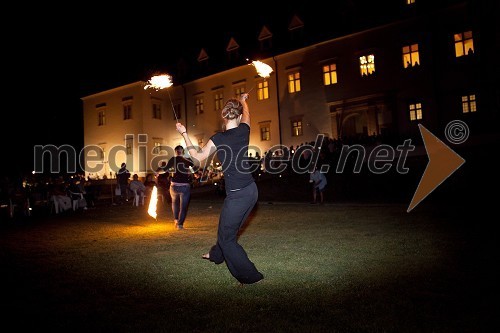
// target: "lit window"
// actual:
[[367, 64], [464, 44], [156, 149], [262, 90], [296, 127], [199, 105], [293, 82], [410, 2], [415, 111], [469, 103], [265, 132], [410, 56], [219, 101], [330, 74]]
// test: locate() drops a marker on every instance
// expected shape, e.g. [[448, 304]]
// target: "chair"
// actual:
[[75, 199], [9, 207], [20, 205], [54, 205], [138, 197]]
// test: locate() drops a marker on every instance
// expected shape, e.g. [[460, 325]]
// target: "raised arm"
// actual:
[[197, 155], [246, 112]]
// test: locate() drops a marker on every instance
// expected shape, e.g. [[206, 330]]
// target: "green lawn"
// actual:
[[330, 268]]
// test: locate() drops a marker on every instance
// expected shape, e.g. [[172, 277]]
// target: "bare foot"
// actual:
[[206, 256]]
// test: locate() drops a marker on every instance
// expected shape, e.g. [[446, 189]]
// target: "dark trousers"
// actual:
[[235, 210], [124, 193], [180, 195]]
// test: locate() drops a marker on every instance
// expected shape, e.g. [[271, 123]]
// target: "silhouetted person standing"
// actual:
[[180, 185], [163, 180], [122, 177]]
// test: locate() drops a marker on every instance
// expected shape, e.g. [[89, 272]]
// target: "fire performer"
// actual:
[[180, 185], [241, 190]]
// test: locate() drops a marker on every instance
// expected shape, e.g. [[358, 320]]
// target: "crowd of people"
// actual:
[[75, 192], [58, 194]]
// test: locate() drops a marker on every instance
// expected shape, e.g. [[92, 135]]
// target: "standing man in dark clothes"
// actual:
[[122, 177], [180, 185]]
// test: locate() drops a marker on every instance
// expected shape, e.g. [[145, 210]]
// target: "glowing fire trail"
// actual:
[[152, 202]]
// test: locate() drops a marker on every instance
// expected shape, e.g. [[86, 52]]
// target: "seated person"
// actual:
[[149, 182], [76, 193], [88, 191], [138, 188], [58, 195]]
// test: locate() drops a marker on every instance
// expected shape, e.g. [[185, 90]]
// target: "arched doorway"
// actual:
[[355, 125]]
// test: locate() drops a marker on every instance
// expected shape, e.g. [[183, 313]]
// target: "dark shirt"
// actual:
[[74, 191], [122, 176], [232, 151], [181, 165], [163, 178]]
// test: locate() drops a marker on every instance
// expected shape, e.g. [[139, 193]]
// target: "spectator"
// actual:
[[59, 197], [318, 180], [138, 188], [122, 177], [76, 194], [180, 185]]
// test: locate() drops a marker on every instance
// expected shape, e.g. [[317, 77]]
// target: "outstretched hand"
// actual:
[[244, 97], [180, 128]]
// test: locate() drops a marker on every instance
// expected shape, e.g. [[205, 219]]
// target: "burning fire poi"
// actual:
[[153, 202], [159, 82], [264, 70]]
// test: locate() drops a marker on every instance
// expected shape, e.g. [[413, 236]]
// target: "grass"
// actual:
[[330, 268]]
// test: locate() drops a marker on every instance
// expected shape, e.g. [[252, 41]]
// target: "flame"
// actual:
[[153, 202], [263, 69], [159, 82]]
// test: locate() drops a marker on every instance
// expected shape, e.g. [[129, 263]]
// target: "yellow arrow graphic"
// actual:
[[442, 163]]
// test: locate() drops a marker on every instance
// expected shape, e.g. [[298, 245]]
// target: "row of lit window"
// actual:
[[415, 113], [468, 105], [464, 45]]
